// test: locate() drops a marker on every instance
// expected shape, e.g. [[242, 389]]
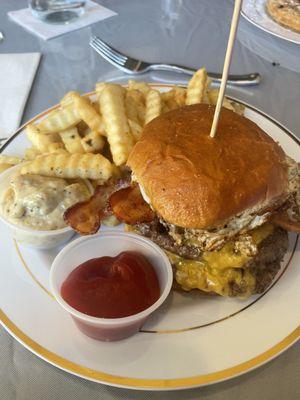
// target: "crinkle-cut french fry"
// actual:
[[136, 95], [60, 119], [136, 129], [72, 140], [40, 140], [213, 98], [140, 86], [112, 107], [99, 87], [65, 165], [170, 94], [89, 115], [31, 153], [167, 97], [197, 87], [180, 95], [117, 172], [238, 108], [165, 108], [207, 88], [92, 142], [68, 98], [95, 105], [131, 107], [13, 160], [5, 166], [139, 101], [172, 104], [231, 105], [142, 114], [54, 147], [57, 151], [168, 101], [103, 85], [174, 98], [153, 105], [87, 112]]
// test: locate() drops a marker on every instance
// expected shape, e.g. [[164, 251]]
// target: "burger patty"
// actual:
[[263, 266], [158, 233], [266, 263]]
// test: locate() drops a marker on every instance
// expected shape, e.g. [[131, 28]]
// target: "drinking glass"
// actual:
[[57, 11]]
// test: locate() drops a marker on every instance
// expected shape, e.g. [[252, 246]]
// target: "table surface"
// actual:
[[187, 32]]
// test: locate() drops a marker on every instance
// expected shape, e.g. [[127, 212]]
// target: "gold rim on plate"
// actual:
[[121, 381]]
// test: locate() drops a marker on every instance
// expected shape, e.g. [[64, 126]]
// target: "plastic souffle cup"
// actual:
[[109, 243], [29, 237]]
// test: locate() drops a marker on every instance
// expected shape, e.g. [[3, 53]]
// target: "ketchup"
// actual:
[[112, 287]]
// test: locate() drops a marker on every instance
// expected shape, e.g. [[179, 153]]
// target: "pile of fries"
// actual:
[[92, 139]]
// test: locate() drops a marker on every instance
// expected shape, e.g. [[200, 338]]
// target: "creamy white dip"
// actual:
[[39, 202]]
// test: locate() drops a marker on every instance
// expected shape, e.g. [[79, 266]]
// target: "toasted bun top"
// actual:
[[195, 181]]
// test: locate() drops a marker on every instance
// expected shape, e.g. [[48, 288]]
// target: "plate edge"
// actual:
[[270, 32], [148, 384]]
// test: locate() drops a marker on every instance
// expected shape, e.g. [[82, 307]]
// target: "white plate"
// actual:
[[192, 340], [255, 12]]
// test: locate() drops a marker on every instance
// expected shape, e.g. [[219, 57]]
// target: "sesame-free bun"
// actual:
[[195, 181]]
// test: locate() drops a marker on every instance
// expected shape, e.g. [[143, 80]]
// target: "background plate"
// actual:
[[254, 11], [191, 341]]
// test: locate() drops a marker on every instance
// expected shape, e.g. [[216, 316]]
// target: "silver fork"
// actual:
[[132, 66]]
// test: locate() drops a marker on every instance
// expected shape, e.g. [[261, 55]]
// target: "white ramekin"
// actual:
[[31, 237], [109, 243]]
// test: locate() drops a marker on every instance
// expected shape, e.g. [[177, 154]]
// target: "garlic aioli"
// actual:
[[39, 202]]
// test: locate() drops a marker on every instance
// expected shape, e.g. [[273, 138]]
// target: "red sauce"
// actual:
[[112, 287]]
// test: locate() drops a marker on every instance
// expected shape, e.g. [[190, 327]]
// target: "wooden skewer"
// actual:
[[228, 56]]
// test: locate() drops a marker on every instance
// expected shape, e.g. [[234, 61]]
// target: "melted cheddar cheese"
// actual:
[[218, 270], [226, 257]]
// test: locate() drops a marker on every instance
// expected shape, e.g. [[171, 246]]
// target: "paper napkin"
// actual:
[[17, 75], [93, 13]]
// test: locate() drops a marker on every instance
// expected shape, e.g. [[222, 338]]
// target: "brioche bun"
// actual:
[[195, 181]]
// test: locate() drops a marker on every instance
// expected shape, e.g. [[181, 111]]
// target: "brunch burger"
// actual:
[[220, 207], [213, 198]]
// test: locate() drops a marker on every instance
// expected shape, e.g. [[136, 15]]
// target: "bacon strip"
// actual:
[[129, 206], [85, 217], [282, 219], [288, 215]]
